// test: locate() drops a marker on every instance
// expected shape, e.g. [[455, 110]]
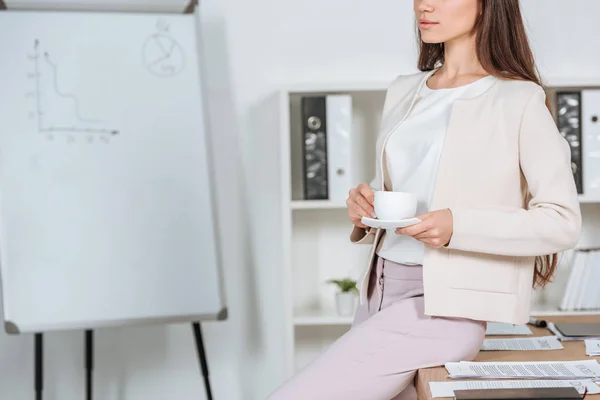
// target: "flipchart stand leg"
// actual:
[[202, 358], [39, 366], [89, 362]]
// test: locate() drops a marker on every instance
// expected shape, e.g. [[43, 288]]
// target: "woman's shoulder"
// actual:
[[514, 93], [518, 89], [507, 86], [518, 97], [401, 89], [408, 80]]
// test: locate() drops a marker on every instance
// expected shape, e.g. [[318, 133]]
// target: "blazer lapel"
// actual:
[[395, 117], [405, 98]]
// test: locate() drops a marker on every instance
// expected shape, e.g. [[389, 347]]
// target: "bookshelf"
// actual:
[[315, 234], [315, 205]]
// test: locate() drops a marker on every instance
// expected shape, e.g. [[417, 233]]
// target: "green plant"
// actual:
[[344, 285]]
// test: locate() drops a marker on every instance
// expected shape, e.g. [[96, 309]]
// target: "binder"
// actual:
[[327, 147], [314, 131], [569, 125], [590, 115], [339, 146]]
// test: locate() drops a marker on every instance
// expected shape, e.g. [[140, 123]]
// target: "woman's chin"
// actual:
[[431, 40]]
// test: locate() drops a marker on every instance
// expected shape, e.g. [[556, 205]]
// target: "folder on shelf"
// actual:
[[569, 125], [590, 143], [327, 147], [314, 131], [339, 147]]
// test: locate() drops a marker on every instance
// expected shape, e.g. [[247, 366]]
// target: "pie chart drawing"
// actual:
[[163, 56]]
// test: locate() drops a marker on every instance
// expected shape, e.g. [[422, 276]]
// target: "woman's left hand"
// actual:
[[435, 228]]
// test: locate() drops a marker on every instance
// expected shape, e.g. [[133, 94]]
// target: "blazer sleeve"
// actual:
[[362, 236], [367, 236], [552, 221]]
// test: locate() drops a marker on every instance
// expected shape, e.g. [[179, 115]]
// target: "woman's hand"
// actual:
[[360, 204], [435, 228]]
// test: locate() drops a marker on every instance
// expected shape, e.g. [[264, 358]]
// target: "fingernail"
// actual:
[[373, 215]]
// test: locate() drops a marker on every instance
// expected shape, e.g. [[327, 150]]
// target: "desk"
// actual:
[[572, 351]]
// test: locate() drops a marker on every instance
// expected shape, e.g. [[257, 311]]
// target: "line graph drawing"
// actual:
[[65, 95], [48, 84], [163, 56]]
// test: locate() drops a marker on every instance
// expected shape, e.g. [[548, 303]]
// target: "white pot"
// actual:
[[346, 303]]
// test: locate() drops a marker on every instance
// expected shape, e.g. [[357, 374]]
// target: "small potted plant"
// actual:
[[346, 299]]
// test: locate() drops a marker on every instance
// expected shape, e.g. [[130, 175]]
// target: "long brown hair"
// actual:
[[503, 50]]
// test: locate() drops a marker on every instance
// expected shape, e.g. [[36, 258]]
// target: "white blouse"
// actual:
[[412, 153]]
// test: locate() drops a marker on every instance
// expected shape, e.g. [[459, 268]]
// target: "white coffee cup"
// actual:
[[394, 206]]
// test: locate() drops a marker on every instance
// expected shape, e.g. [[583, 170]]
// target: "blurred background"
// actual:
[[279, 248]]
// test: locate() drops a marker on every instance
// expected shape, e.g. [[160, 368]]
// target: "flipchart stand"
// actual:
[[89, 362]]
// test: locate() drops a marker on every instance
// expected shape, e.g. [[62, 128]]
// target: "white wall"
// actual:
[[253, 47]]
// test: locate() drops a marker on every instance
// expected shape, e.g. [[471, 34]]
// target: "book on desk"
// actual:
[[562, 393]]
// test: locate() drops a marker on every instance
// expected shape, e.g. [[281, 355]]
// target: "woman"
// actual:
[[472, 137]]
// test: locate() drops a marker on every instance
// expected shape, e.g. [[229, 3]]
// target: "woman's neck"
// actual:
[[460, 60]]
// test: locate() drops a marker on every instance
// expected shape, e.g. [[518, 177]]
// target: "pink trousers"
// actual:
[[390, 339]]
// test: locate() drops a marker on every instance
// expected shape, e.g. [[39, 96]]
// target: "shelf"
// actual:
[[375, 86], [584, 199], [315, 205], [324, 318], [320, 318], [328, 205], [571, 82], [553, 310], [342, 87], [557, 312], [362, 86]]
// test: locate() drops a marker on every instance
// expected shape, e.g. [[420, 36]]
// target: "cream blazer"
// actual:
[[505, 173]]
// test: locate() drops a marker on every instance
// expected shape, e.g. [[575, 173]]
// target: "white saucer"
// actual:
[[389, 224]]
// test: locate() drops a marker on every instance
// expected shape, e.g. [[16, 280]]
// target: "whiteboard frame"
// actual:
[[188, 8], [11, 327]]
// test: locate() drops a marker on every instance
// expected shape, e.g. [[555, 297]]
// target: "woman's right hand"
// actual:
[[360, 204]]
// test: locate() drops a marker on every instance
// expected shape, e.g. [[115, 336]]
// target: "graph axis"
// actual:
[[42, 124]]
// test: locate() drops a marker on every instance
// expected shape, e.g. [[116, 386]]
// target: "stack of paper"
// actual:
[[500, 328], [446, 389], [592, 347], [586, 369], [534, 343]]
